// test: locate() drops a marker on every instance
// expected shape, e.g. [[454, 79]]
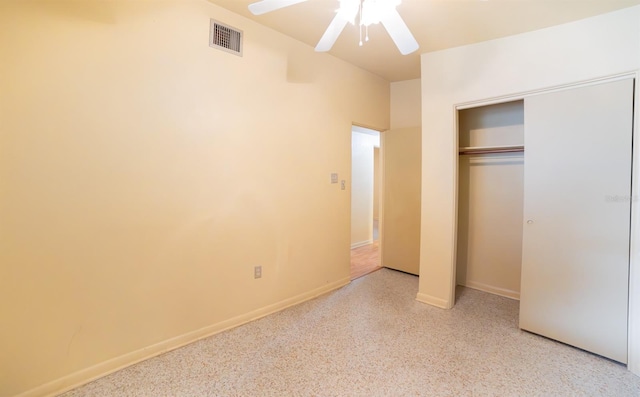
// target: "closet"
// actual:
[[490, 198], [570, 223]]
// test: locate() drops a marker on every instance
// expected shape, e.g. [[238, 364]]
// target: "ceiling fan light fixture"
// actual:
[[367, 13], [373, 11], [348, 10]]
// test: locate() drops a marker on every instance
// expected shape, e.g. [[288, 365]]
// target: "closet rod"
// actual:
[[489, 150]]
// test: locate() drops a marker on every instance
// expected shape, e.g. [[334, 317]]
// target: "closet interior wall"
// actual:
[[490, 199]]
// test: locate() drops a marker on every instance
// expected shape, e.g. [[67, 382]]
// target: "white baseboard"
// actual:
[[102, 369], [507, 293], [433, 301], [361, 244]]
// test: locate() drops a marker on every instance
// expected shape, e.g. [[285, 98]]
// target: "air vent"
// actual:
[[225, 38]]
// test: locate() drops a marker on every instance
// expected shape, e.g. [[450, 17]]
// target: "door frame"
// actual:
[[380, 188]]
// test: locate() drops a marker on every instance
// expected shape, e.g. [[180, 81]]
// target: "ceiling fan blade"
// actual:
[[331, 34], [399, 32], [264, 6]]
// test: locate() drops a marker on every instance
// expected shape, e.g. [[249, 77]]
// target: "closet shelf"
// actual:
[[490, 149]]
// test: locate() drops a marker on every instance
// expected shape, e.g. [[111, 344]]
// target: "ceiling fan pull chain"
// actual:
[[360, 22]]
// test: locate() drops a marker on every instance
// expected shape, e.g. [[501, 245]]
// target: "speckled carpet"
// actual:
[[371, 338]]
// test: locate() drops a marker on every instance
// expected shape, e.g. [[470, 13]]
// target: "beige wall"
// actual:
[[405, 104], [143, 176], [490, 200]]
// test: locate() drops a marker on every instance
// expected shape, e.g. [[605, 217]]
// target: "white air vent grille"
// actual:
[[225, 38]]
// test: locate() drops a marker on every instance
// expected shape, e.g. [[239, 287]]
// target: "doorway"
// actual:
[[365, 201]]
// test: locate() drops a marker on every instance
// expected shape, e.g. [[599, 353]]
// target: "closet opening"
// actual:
[[490, 198]]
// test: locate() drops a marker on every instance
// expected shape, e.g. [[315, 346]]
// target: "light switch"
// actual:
[[334, 178]]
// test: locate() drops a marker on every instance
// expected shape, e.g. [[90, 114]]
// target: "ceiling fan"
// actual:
[[367, 12]]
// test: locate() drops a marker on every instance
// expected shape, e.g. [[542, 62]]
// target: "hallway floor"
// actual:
[[365, 260]]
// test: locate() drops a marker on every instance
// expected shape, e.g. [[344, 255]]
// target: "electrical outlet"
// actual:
[[257, 272]]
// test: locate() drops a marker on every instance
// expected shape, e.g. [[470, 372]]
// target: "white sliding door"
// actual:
[[575, 260]]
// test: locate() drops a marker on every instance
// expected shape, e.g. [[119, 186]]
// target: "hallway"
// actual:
[[366, 259]]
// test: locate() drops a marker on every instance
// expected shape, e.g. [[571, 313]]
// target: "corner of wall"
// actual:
[[433, 301]]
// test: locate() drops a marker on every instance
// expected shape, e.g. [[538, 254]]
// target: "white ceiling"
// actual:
[[436, 24]]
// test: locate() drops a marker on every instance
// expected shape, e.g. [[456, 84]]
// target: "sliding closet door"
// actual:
[[577, 215]]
